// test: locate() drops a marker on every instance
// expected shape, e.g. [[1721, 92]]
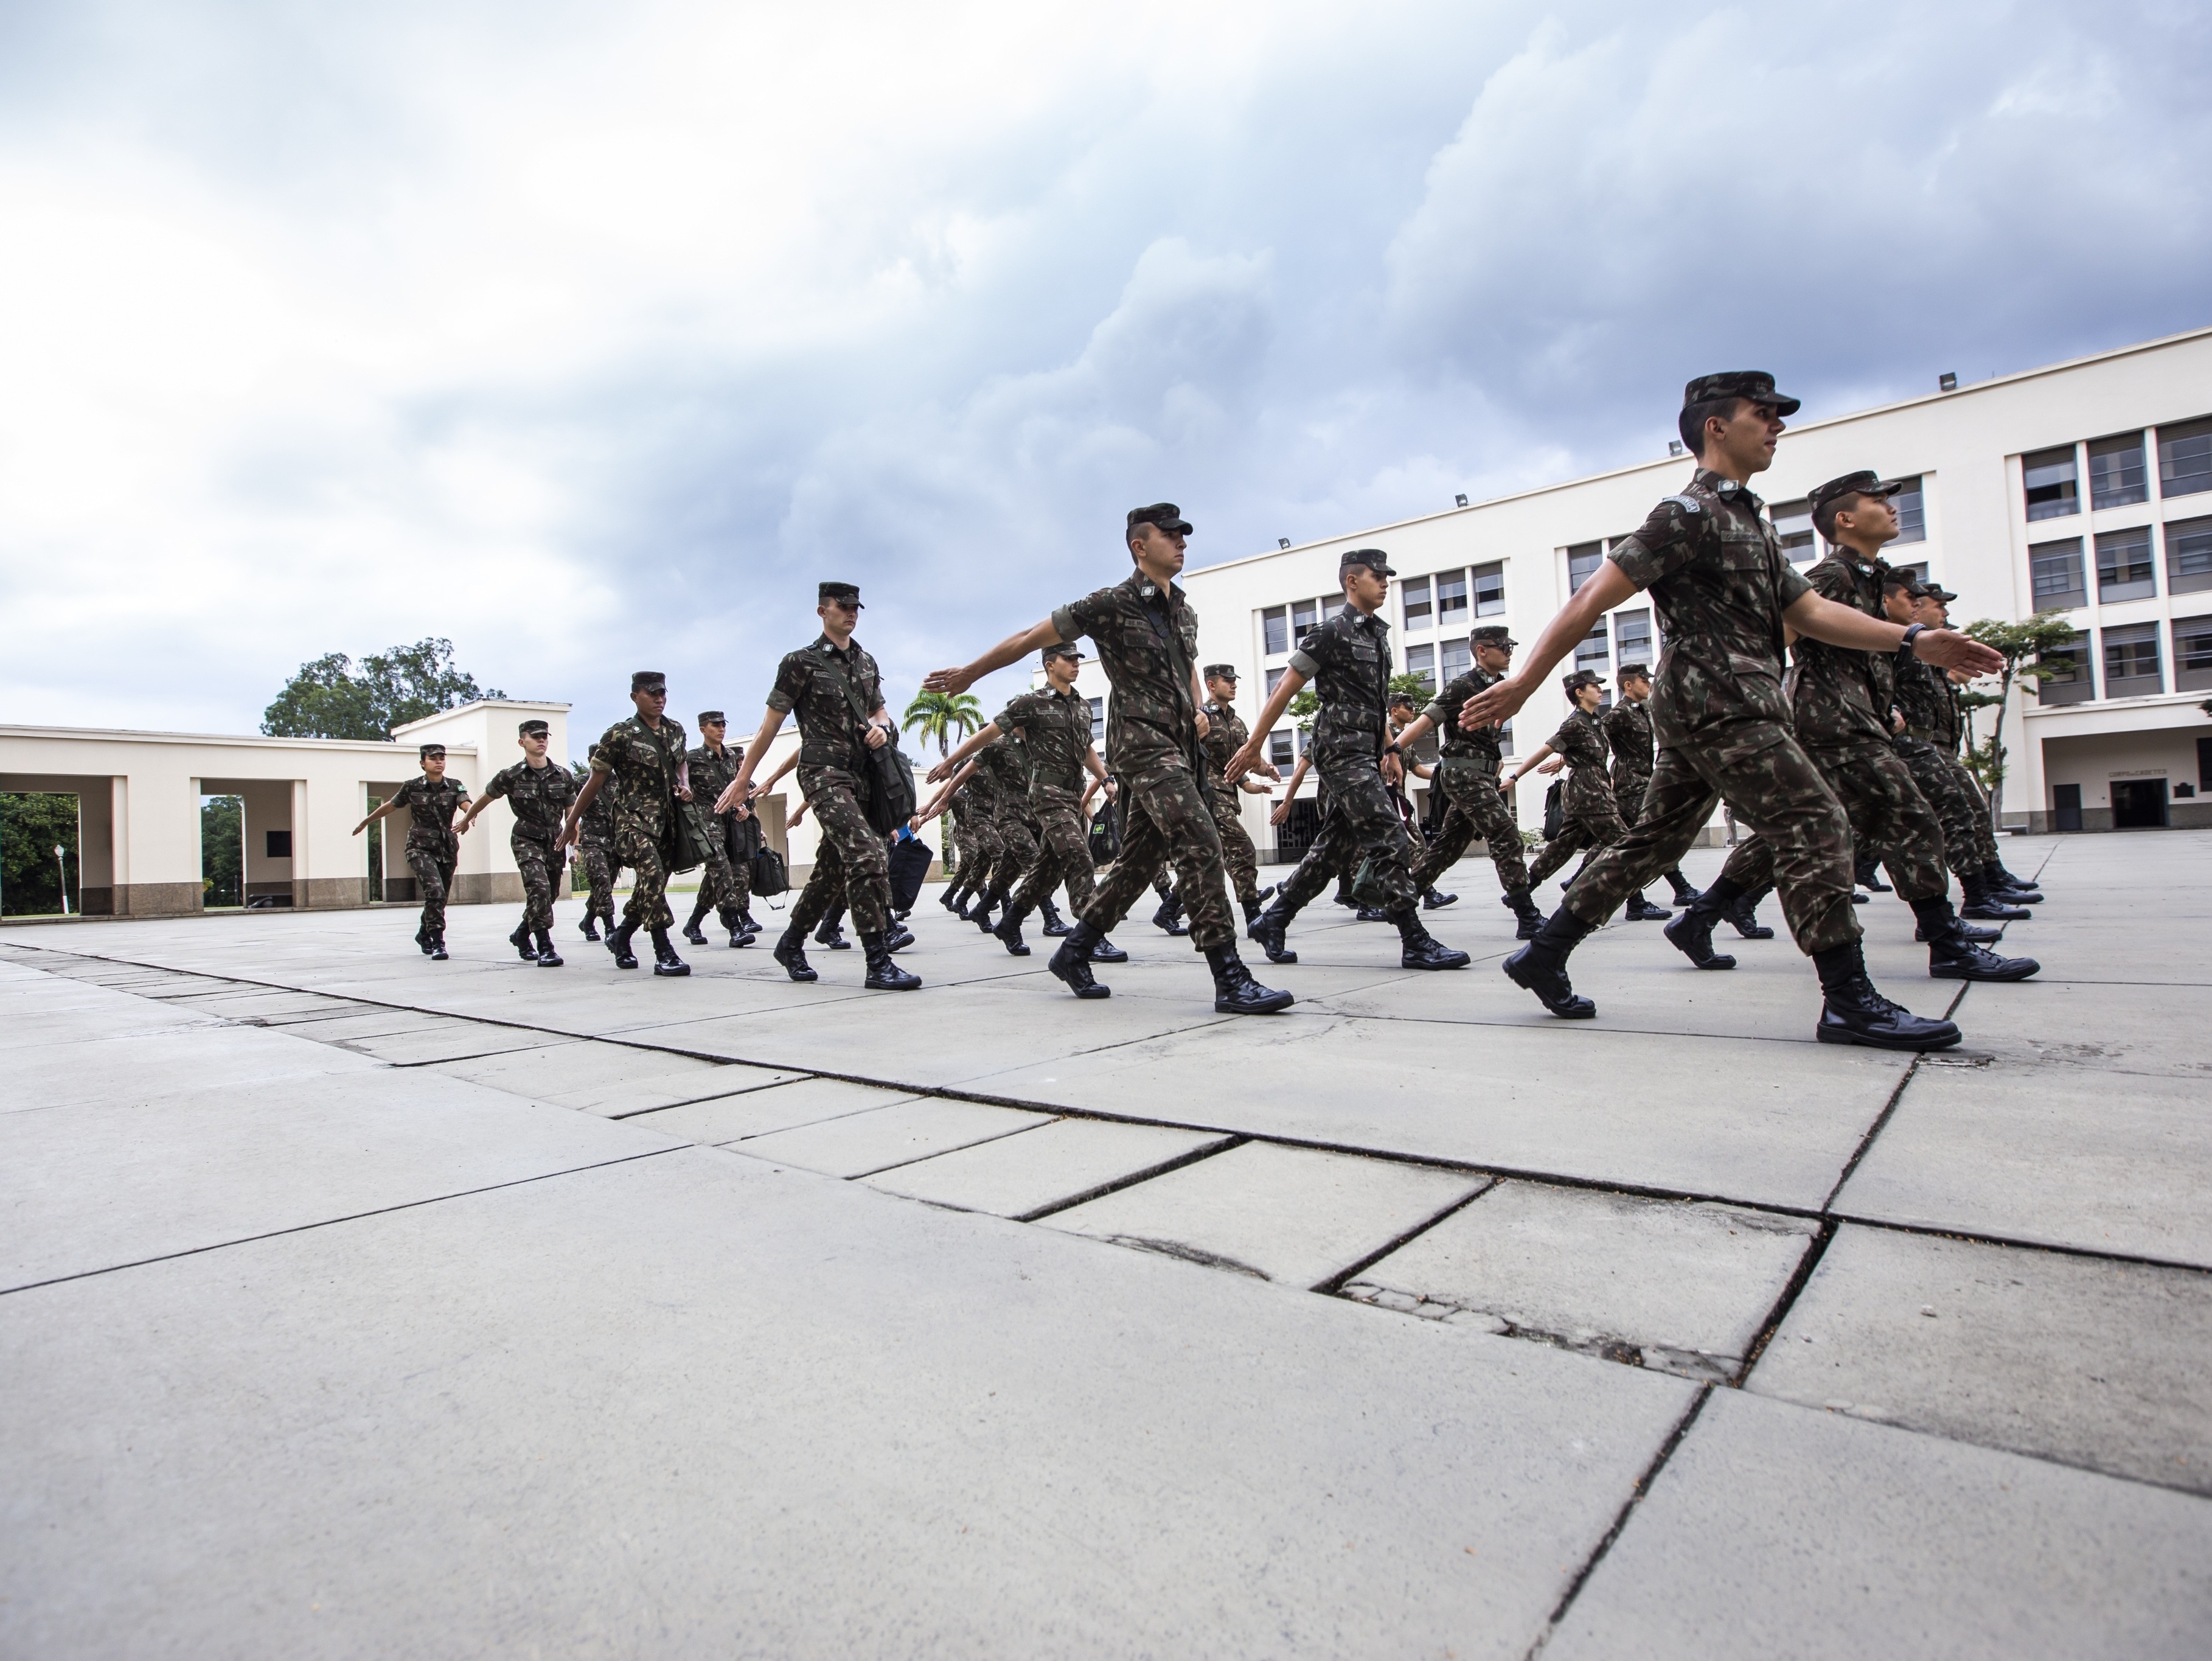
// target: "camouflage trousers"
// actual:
[[851, 862], [1238, 857], [541, 872], [637, 845], [1591, 824], [1959, 805], [1628, 790], [720, 883], [1166, 820], [1476, 807], [1758, 769], [1360, 821], [1890, 820], [1018, 851], [599, 876], [976, 839], [1065, 855], [433, 865]]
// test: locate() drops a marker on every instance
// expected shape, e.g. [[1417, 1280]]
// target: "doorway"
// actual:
[[2138, 804]]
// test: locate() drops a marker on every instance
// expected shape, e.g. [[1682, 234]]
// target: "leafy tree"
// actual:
[[31, 826], [328, 699], [2023, 646], [223, 863], [943, 717], [1304, 705], [1414, 686]]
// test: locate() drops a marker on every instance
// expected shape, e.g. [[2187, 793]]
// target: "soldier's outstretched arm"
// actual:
[[1095, 767], [1270, 712], [761, 786], [585, 797], [1824, 619], [943, 799], [1415, 731], [1035, 638], [945, 769], [1606, 588], [732, 800], [1535, 755], [385, 811]]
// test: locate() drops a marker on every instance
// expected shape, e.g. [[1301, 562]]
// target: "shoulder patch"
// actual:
[[1689, 504]]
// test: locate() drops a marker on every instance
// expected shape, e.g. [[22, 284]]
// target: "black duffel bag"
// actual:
[[771, 876], [1555, 810], [910, 859], [891, 800]]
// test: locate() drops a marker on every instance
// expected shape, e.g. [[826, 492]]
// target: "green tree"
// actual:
[[1304, 705], [947, 717], [1414, 686], [222, 863], [31, 826], [328, 699], [2021, 645]]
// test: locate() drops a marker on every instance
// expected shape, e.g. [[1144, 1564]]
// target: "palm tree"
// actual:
[[942, 716]]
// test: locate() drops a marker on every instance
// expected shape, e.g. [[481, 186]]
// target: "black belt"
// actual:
[[1058, 781]]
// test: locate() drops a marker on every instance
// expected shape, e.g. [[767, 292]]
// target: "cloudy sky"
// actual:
[[591, 337]]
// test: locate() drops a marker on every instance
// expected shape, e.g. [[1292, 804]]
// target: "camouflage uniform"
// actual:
[[1715, 571], [540, 797], [1055, 729], [1147, 641], [1841, 699], [1007, 763], [976, 828], [1928, 745], [1590, 817], [1628, 734], [1348, 658], [595, 850], [433, 850], [720, 883], [1467, 776], [1226, 733], [641, 767], [851, 861]]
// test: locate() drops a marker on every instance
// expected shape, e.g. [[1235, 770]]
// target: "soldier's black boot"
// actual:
[[791, 953], [1056, 925], [1009, 931], [1169, 917], [1541, 966], [438, 946], [832, 932], [1523, 907], [1691, 933], [1251, 913], [1683, 892], [1999, 876], [547, 956], [1743, 912], [520, 940], [1072, 962], [692, 932], [590, 927], [897, 937], [1852, 1012], [740, 936], [1419, 949], [883, 975], [1867, 872], [1986, 905], [1432, 901], [423, 939], [618, 939], [950, 899], [1370, 913], [1953, 957], [1267, 931], [979, 913], [1105, 950], [1640, 909], [1980, 934], [665, 960], [1235, 991]]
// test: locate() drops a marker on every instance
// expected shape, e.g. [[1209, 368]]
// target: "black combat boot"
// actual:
[[1743, 912], [897, 937], [618, 939], [1640, 909], [1541, 966], [423, 939], [1370, 913], [1953, 957], [547, 956], [832, 932], [791, 953], [1858, 898], [1235, 991], [1072, 962], [979, 913], [1852, 1012], [1432, 901], [521, 940], [950, 899], [2018, 885], [1691, 933], [1419, 949], [1105, 950], [740, 936], [692, 932], [1530, 921], [590, 927], [1266, 930], [1009, 931], [1251, 913], [1169, 915], [1056, 925], [2011, 889], [438, 946], [1868, 874], [883, 975], [665, 960], [1980, 933], [1986, 905], [1683, 892]]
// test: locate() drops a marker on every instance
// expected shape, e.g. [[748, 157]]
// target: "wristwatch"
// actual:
[[1912, 629]]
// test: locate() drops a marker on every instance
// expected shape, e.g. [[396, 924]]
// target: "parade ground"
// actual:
[[356, 1305]]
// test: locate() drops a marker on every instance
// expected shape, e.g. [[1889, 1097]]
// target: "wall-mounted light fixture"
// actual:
[[1946, 382], [1282, 541], [1461, 500], [1675, 448]]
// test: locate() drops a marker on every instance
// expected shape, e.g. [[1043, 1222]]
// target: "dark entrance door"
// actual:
[[2138, 804], [2066, 806], [1297, 833]]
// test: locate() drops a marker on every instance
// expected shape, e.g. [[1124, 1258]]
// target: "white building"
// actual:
[[2084, 488]]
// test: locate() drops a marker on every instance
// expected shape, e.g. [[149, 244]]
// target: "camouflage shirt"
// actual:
[[1348, 658], [1581, 740], [1226, 733], [1927, 699], [540, 795], [1007, 766], [1716, 573], [596, 828], [431, 808], [1841, 696], [1147, 641], [1055, 732], [711, 774], [640, 768], [810, 684], [1628, 732], [1477, 746]]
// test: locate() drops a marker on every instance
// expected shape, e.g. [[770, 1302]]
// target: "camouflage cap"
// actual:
[[1165, 514], [1934, 591], [1373, 558], [1066, 649], [533, 729], [826, 591], [1221, 671], [1581, 678], [712, 718], [1493, 634], [1635, 671], [426, 751], [1860, 483], [648, 680], [1754, 384]]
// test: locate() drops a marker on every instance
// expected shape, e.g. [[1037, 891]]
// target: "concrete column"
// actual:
[[160, 821], [329, 866]]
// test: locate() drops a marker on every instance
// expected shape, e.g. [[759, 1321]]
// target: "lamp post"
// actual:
[[61, 864]]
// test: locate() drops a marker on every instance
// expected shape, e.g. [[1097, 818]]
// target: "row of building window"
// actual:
[[2118, 470], [2130, 663], [2127, 563], [1443, 600]]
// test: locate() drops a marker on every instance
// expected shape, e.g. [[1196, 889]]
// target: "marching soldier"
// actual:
[[1592, 818], [1628, 734], [594, 853], [641, 760], [1147, 640], [1725, 594], [1226, 733], [433, 850], [539, 791], [712, 764]]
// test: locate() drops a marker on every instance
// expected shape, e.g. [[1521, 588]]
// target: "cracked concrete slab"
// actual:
[[1056, 1164], [861, 1144], [595, 1077]]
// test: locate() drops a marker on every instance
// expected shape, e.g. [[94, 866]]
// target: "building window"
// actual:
[[2188, 556], [1917, 570], [1582, 564], [1303, 615], [2123, 566], [1332, 605], [1590, 652], [2050, 483], [2071, 685], [279, 844], [1097, 719], [1416, 596], [1274, 678], [2115, 472], [1422, 661], [1451, 601], [2192, 654], [2131, 661], [1490, 590], [2185, 459], [1911, 503], [1457, 658], [1631, 637], [2058, 567], [1793, 528], [1275, 626], [1281, 747]]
